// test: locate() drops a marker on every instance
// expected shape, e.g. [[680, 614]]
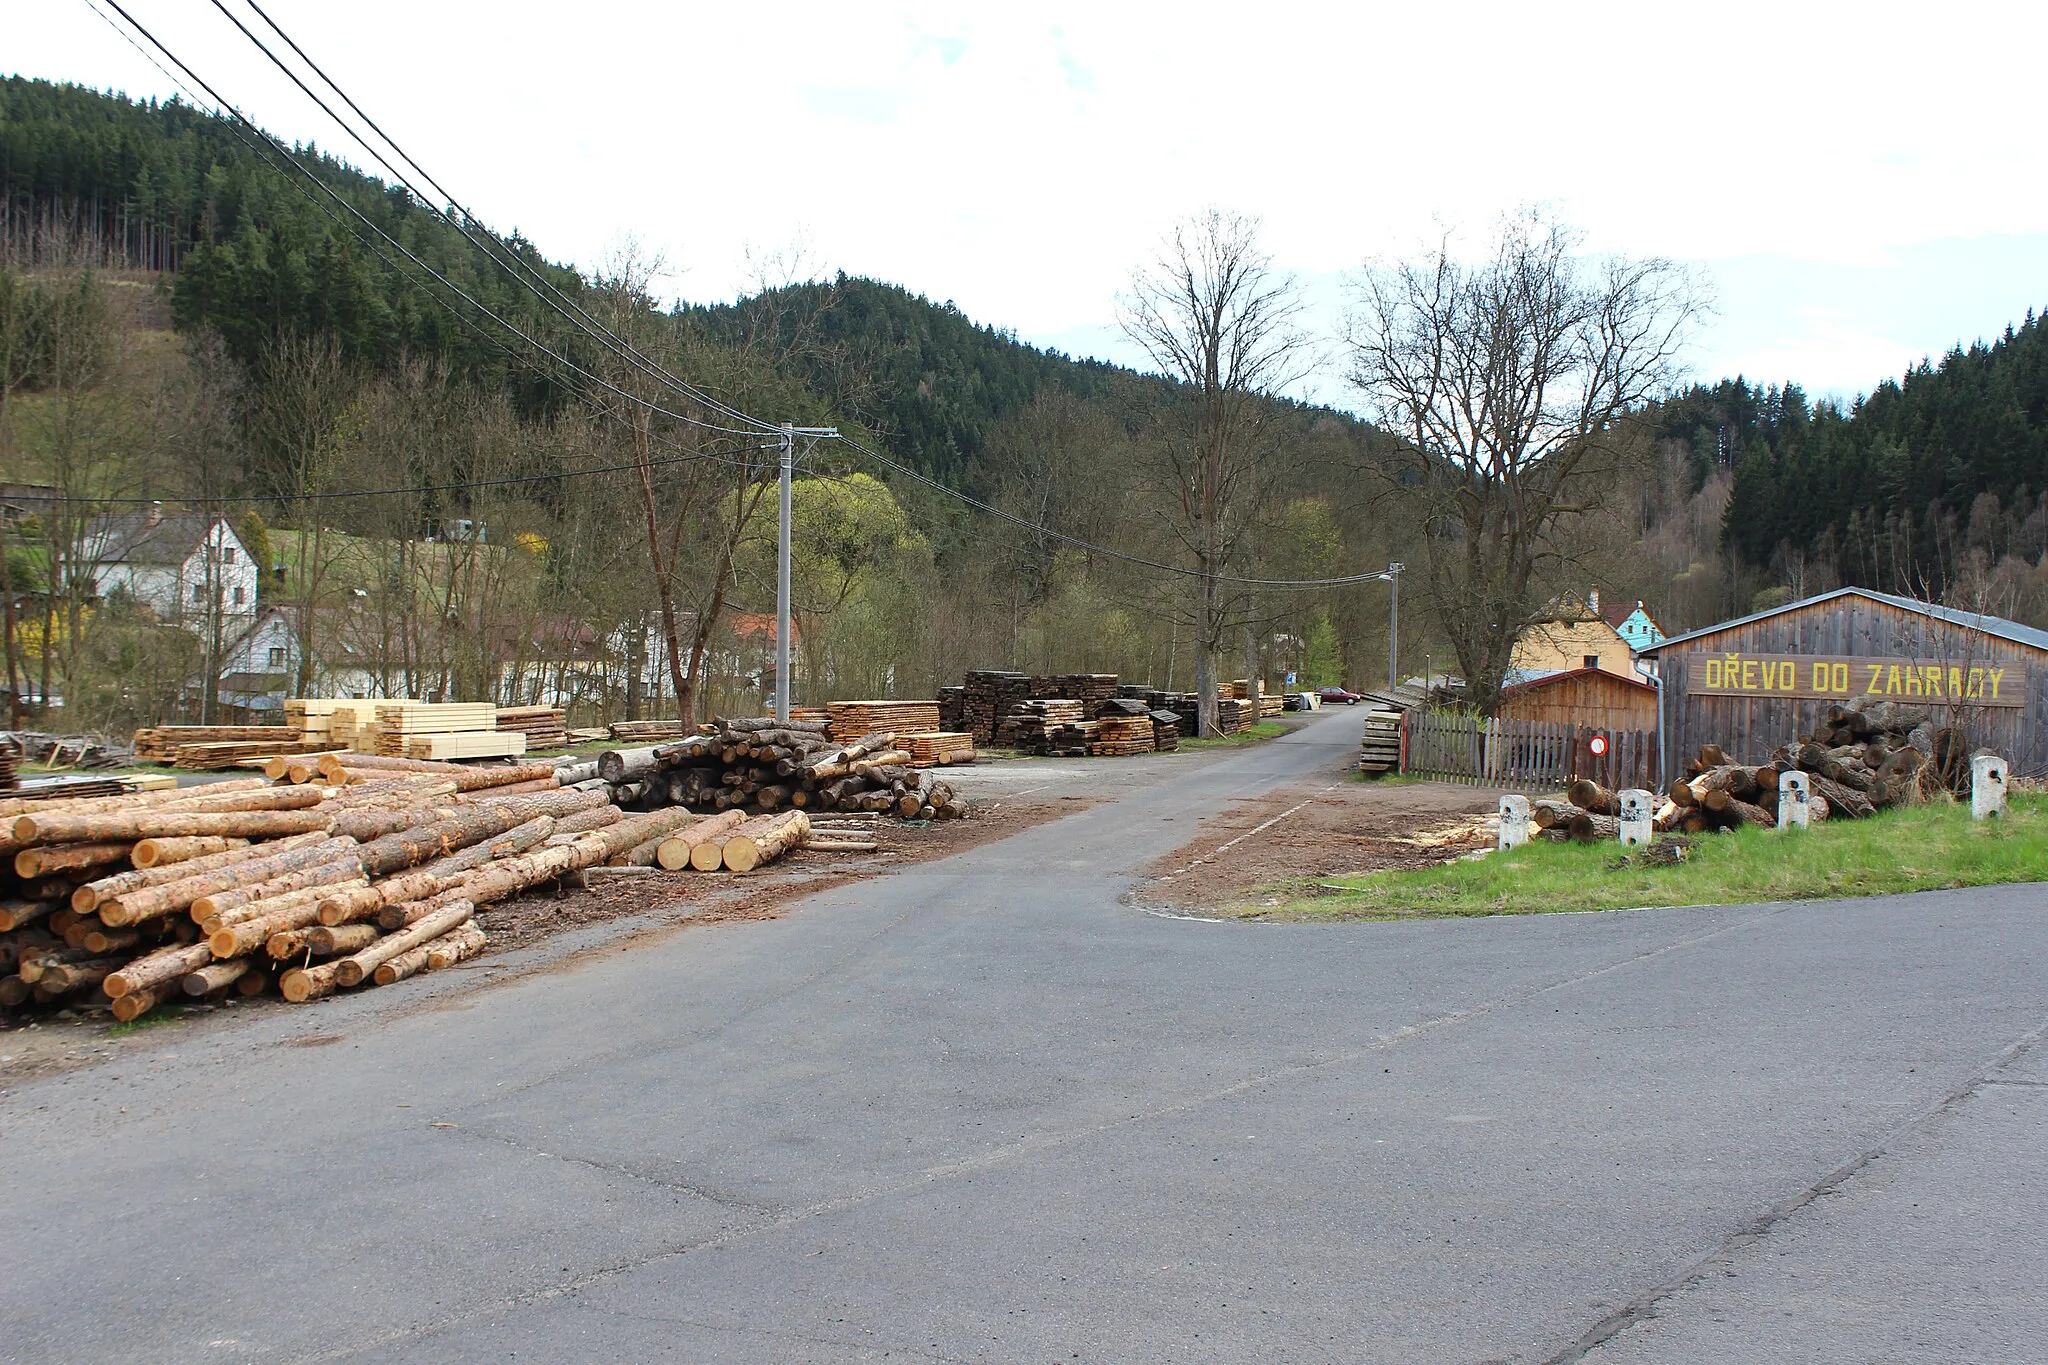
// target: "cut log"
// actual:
[[1550, 814], [220, 905], [1588, 828], [311, 983], [353, 969], [88, 897], [295, 910], [1843, 801], [17, 914], [177, 894], [133, 825], [323, 941], [215, 976], [157, 968], [102, 940], [135, 1004], [674, 851], [1739, 811], [163, 852], [53, 858], [1590, 796], [617, 766], [746, 850], [458, 946]]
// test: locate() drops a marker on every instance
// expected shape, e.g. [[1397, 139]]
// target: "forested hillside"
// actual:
[[457, 486]]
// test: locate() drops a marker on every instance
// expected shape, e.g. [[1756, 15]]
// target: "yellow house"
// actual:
[[1579, 636]]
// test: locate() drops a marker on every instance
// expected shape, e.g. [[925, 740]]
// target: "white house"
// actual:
[[257, 666], [189, 570]]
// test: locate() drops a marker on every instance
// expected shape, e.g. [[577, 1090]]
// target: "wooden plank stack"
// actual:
[[236, 753], [335, 722], [160, 744], [852, 719], [129, 901], [1379, 747], [645, 731], [545, 727], [989, 694], [1118, 736], [1165, 731], [953, 710], [455, 745], [937, 748], [1028, 724]]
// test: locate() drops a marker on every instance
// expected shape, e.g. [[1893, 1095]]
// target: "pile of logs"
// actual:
[[142, 898], [937, 748], [732, 842], [1863, 759], [762, 766]]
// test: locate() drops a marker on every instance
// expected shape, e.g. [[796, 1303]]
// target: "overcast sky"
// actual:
[[1859, 184]]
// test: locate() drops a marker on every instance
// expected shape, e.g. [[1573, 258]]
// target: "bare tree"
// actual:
[[1508, 383], [1212, 314]]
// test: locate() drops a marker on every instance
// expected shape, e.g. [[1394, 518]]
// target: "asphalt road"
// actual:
[[983, 1110]]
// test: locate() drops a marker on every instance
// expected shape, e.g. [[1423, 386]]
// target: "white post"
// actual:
[[782, 582], [1793, 791], [1638, 809], [1394, 625], [1987, 786], [1514, 822]]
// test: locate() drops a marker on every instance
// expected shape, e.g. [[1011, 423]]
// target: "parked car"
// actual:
[[1333, 695]]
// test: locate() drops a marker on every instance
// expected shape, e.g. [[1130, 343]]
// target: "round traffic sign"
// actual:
[[1598, 744]]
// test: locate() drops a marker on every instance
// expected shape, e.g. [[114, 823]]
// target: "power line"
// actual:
[[533, 281], [1092, 548], [404, 251]]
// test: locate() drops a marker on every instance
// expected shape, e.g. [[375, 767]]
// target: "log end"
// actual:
[[224, 944], [705, 857]]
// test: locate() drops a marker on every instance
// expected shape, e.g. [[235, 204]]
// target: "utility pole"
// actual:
[[782, 628], [1394, 624], [782, 580]]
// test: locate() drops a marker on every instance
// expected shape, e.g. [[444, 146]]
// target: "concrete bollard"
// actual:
[[1793, 790], [1514, 822], [1638, 810], [1987, 786]]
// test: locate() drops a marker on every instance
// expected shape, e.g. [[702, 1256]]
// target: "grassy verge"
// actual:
[[1265, 729], [1923, 849]]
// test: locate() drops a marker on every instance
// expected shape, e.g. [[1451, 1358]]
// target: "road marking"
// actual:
[[1249, 833]]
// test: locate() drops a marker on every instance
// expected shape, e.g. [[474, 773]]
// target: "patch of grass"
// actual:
[[1265, 729], [1925, 848], [167, 1014], [1387, 779]]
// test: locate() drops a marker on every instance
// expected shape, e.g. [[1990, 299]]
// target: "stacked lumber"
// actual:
[[131, 900], [1165, 731], [937, 748], [545, 727], [10, 766], [235, 753], [988, 696], [1028, 724], [1271, 703], [1118, 736], [811, 714], [461, 744], [333, 722], [1090, 689], [852, 719], [640, 731], [160, 743], [1070, 740], [1232, 715], [1379, 748], [760, 766], [953, 710]]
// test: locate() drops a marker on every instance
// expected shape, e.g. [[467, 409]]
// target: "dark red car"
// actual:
[[1332, 695]]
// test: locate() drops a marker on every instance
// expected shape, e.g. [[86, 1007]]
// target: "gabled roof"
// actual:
[[139, 539], [1991, 625], [1552, 679]]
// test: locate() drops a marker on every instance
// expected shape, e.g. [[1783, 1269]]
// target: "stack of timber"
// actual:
[[335, 722], [937, 748], [852, 719], [1232, 715], [989, 695], [953, 710], [1118, 736], [1090, 689], [1074, 739], [1028, 725], [161, 743], [1271, 703], [1379, 749], [762, 766], [808, 714], [642, 731], [10, 765], [545, 727], [129, 901], [1165, 730], [444, 731]]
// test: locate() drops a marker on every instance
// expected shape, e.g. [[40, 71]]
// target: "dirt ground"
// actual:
[[1302, 835], [33, 1046]]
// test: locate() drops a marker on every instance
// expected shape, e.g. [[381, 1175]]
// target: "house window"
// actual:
[[227, 554], [1592, 661], [241, 596], [198, 592], [277, 656]]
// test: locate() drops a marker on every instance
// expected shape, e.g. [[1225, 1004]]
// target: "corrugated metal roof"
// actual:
[[1969, 620]]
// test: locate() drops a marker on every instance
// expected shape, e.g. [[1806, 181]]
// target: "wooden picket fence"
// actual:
[[1458, 746]]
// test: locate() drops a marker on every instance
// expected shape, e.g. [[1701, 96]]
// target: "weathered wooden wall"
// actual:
[[1598, 700], [1748, 729]]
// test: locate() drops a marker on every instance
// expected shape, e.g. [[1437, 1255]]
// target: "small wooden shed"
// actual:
[[1591, 697], [1754, 683]]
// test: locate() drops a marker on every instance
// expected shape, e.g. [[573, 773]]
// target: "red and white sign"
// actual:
[[1598, 745]]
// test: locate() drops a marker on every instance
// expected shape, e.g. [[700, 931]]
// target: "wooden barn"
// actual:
[[1754, 683], [1591, 697]]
